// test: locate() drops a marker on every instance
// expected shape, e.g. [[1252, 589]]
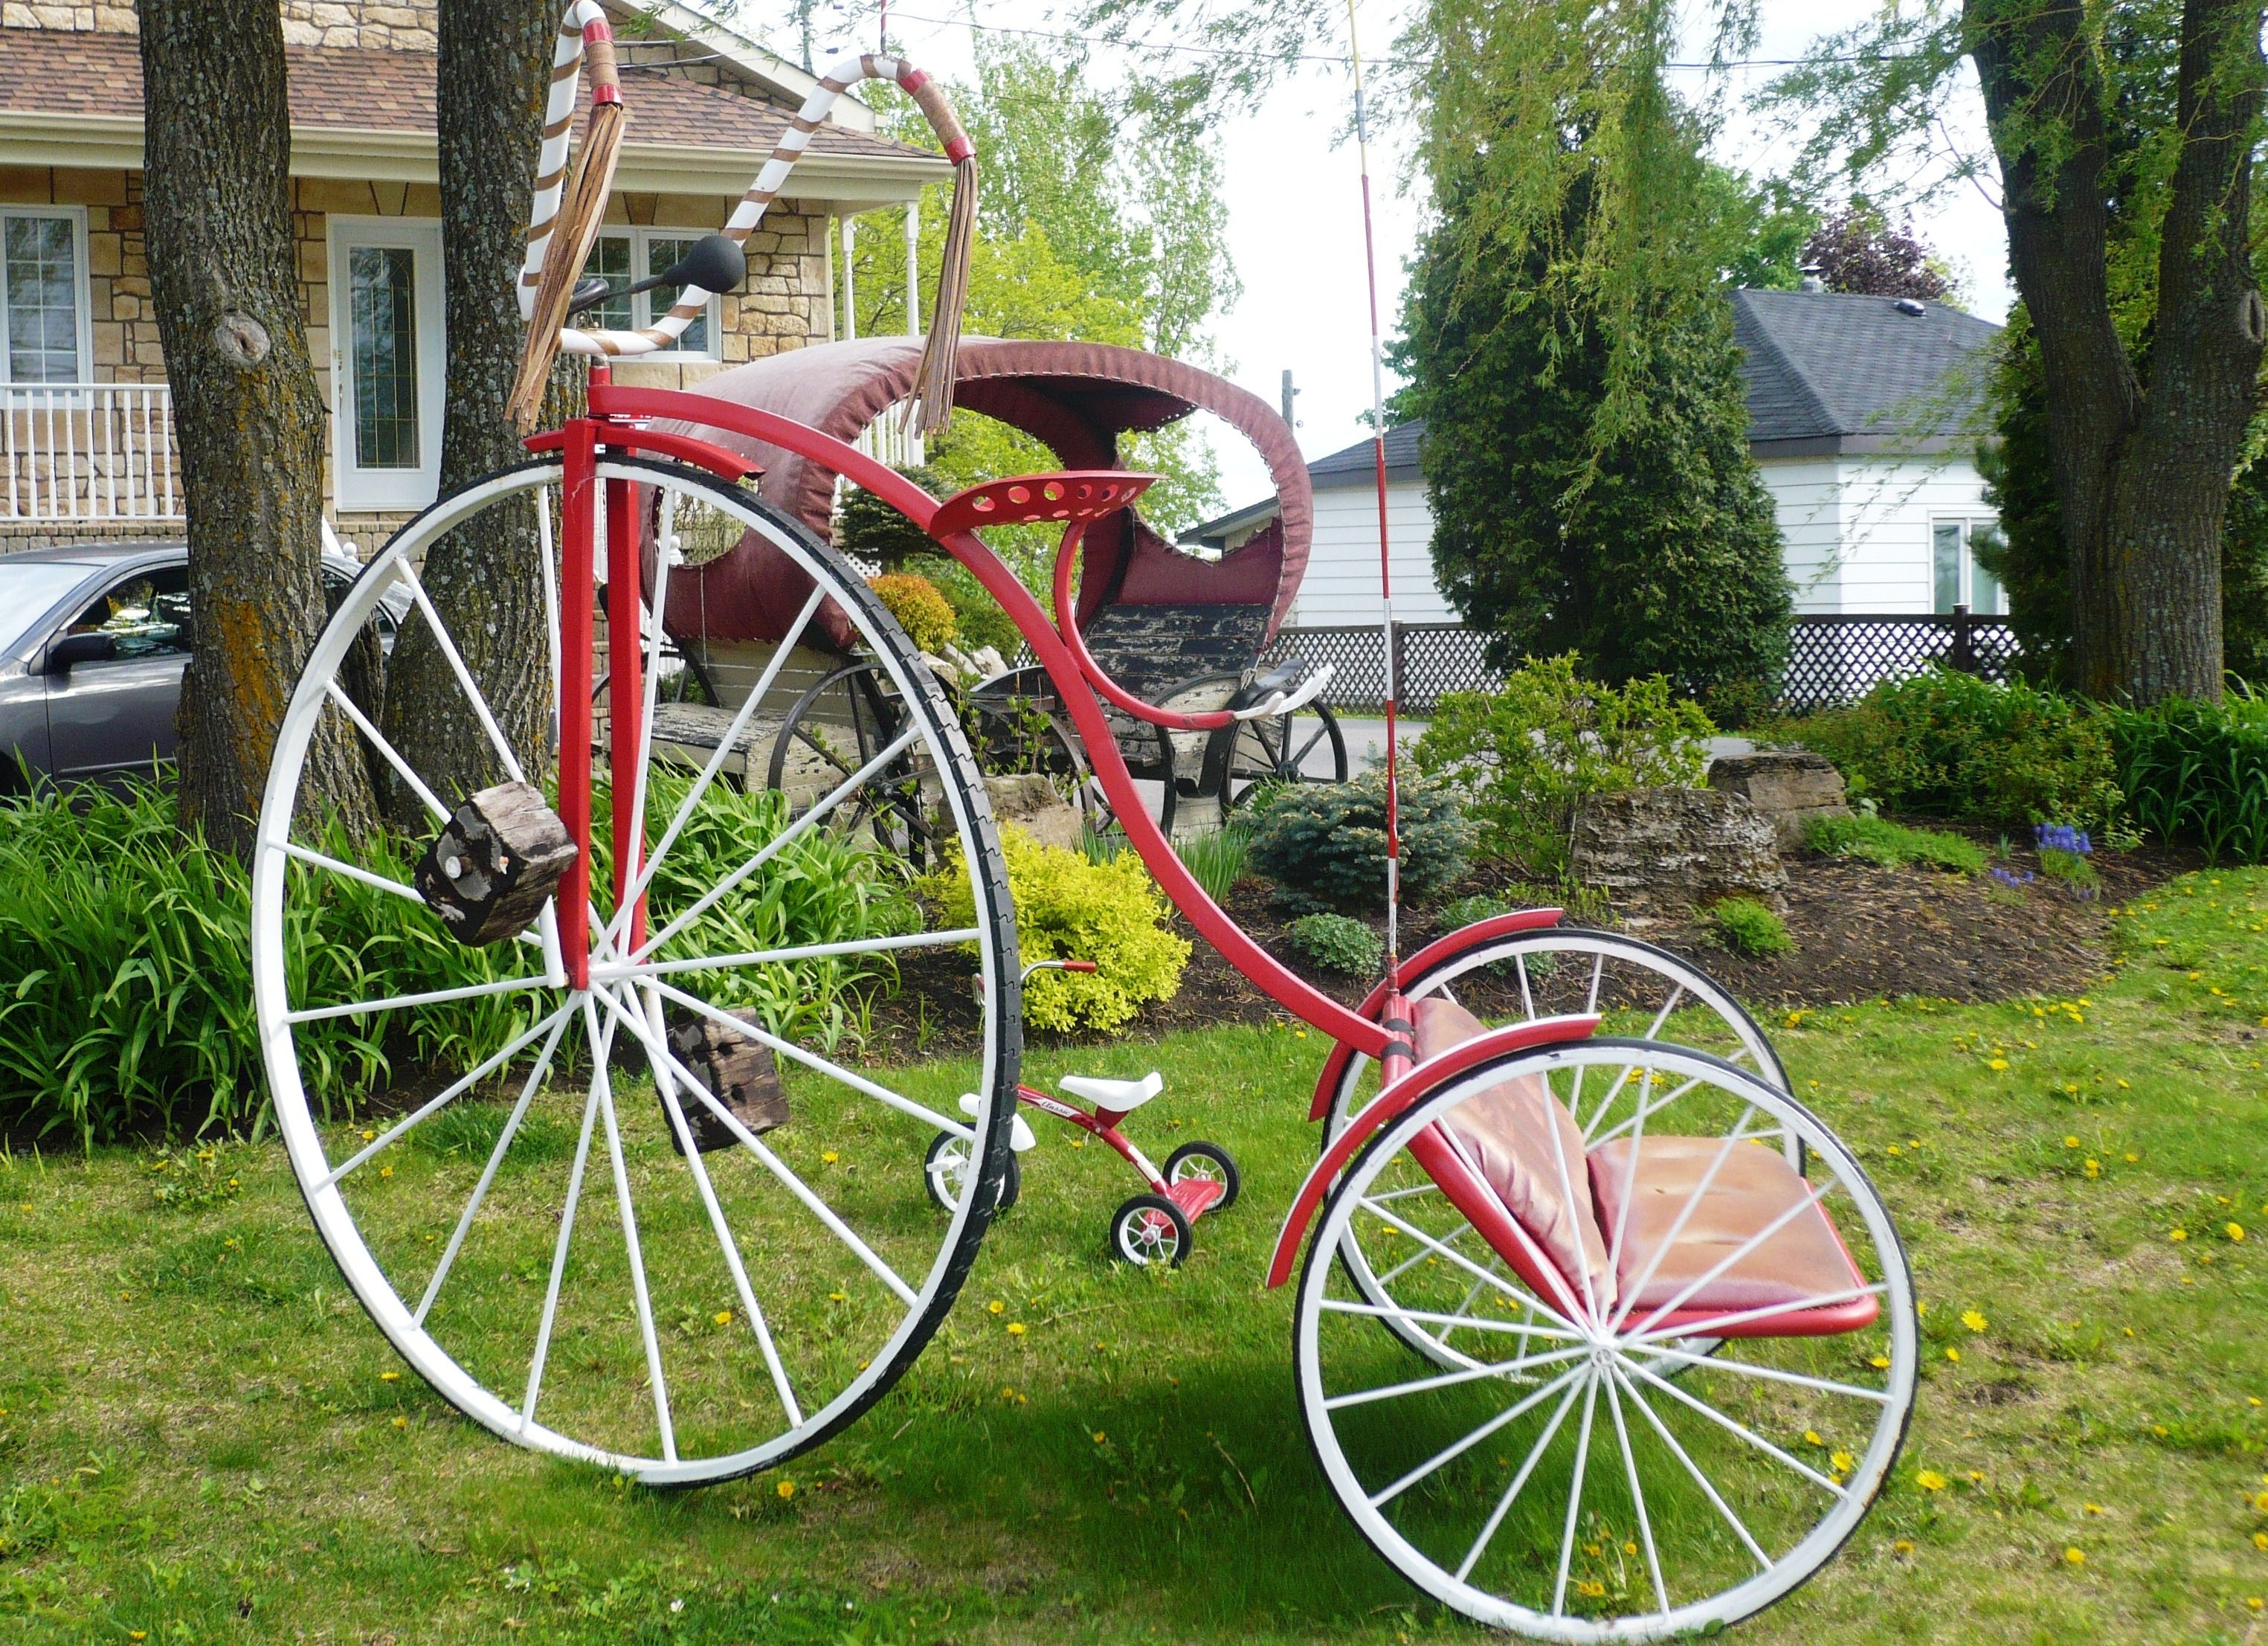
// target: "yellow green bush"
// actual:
[[925, 614], [1068, 908]]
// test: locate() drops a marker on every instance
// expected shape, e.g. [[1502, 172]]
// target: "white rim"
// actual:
[[1606, 1382], [625, 1000]]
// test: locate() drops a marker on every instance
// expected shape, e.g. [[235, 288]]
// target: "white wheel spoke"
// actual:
[[1770, 1373], [1466, 1264], [772, 1163], [1575, 1494], [666, 1080], [1463, 1310], [559, 1249], [464, 675], [1637, 1287], [316, 859], [560, 1021], [1764, 1560], [1629, 1178], [1526, 996], [1421, 1254], [1731, 1258], [1653, 1029], [1457, 1449], [448, 1094], [813, 1060], [1447, 1380], [635, 1252], [1389, 1196], [429, 997], [1608, 1102], [624, 971], [392, 755], [778, 844], [1732, 1425], [1598, 971], [1509, 1328], [1716, 1325], [1567, 1199], [1527, 1467], [1643, 1109], [651, 614], [1637, 1494]]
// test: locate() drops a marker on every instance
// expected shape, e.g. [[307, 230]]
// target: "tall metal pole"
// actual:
[[1385, 562]]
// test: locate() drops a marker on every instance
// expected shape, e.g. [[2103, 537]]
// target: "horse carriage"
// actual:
[[1181, 630], [1598, 1333]]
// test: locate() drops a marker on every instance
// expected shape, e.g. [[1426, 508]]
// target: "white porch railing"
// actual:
[[886, 439], [89, 451]]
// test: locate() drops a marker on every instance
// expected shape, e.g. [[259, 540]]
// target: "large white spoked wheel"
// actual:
[[673, 1223], [1561, 1482], [1645, 991]]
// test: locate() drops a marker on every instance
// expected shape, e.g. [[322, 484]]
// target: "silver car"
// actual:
[[93, 638]]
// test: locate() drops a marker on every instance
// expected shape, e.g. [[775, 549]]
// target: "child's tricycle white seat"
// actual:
[[1117, 1097]]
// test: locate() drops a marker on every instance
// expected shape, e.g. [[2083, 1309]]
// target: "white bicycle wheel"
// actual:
[[1563, 1483], [707, 1314], [1645, 991]]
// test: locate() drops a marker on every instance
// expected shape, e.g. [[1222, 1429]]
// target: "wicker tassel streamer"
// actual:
[[940, 353], [575, 232]]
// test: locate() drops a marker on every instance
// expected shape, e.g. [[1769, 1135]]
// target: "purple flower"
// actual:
[[2009, 877], [2062, 837]]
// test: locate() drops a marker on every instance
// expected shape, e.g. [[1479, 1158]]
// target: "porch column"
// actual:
[[913, 267], [849, 280]]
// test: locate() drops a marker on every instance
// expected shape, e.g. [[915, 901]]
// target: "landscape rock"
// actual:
[[1029, 800], [1677, 848], [1790, 787]]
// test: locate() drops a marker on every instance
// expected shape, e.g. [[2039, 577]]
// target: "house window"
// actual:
[[386, 360], [43, 291], [623, 256], [1955, 577]]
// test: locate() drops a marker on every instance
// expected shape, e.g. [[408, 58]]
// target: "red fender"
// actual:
[[1440, 949], [1398, 1097]]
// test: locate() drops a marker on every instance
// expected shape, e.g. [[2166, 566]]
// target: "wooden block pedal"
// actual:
[[742, 1075], [489, 871]]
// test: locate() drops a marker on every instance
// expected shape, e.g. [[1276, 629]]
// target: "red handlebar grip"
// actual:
[[1078, 965]]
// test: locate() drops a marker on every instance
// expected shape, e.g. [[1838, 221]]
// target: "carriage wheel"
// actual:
[[833, 734], [1253, 753], [673, 1223], [1017, 725], [1560, 1482], [1644, 991]]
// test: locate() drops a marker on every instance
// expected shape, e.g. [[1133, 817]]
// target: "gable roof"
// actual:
[[75, 99], [1837, 373], [1358, 464]]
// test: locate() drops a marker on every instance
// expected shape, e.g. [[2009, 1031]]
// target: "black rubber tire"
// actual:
[[1231, 1181], [1184, 1237]]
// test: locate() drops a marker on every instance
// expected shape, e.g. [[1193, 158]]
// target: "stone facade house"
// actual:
[[85, 430]]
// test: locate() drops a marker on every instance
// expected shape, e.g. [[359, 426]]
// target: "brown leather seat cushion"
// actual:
[[1507, 1134], [1802, 1260]]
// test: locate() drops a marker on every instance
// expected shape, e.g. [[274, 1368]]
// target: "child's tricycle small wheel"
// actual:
[[1150, 1228], [946, 1168], [1209, 1161]]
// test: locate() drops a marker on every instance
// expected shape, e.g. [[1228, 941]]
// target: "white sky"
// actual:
[[1295, 210]]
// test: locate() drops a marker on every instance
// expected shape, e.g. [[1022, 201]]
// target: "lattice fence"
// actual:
[[1437, 658], [1836, 660]]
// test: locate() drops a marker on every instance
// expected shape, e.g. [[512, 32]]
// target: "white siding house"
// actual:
[[1863, 419]]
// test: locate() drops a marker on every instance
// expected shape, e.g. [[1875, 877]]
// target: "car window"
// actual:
[[146, 614], [27, 589]]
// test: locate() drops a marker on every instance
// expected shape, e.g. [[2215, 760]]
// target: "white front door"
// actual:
[[386, 360]]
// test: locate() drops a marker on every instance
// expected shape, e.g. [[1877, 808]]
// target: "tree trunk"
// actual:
[[486, 581], [2142, 472], [248, 413]]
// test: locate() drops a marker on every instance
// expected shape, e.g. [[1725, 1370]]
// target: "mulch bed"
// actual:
[[1861, 933]]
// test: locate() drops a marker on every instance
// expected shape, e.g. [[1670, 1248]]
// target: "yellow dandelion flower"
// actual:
[[723, 1316], [836, 1297], [1954, 1355], [2133, 1159], [2255, 1602], [2260, 1541], [1015, 1328], [2252, 1400], [1843, 1462], [383, 1171], [787, 1489], [1630, 1548], [2261, 1502], [1894, 1148], [830, 1157], [1998, 1063], [2160, 1430], [393, 1377], [1879, 1362], [2094, 1168], [2090, 1509], [996, 1306], [2234, 1231], [1930, 1480], [2177, 1234], [402, 1422], [1100, 1437], [2069, 1141], [1977, 1477], [1973, 1320], [1901, 1547], [2074, 1557], [1811, 1438]]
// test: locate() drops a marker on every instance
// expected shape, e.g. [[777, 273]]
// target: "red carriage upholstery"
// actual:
[[1078, 398], [1502, 1138]]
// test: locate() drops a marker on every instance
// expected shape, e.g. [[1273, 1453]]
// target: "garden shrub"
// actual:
[[1525, 755], [1473, 909], [1893, 845], [1324, 845], [877, 533], [124, 944], [922, 612], [1951, 745], [1746, 927], [1216, 857], [1334, 942], [2195, 771], [1068, 907]]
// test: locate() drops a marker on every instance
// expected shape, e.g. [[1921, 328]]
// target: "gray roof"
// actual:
[[1827, 373], [1831, 372]]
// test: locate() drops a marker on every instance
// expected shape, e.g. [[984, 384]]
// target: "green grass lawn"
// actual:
[[203, 1439]]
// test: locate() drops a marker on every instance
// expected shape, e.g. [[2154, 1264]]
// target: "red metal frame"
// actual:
[[1195, 1195]]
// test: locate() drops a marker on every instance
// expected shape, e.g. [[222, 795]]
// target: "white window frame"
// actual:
[[643, 311], [1970, 525], [76, 216], [364, 490]]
